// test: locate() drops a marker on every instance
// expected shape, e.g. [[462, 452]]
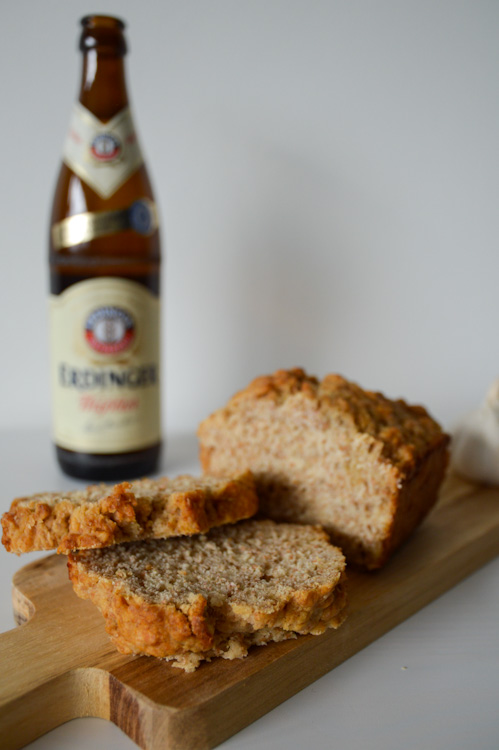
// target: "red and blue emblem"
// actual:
[[109, 330], [105, 147]]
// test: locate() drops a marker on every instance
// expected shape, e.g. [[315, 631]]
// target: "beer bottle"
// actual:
[[104, 278]]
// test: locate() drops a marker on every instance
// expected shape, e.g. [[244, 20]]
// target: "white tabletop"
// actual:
[[432, 682]]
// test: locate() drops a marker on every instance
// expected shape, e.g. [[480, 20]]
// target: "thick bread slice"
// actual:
[[192, 598], [364, 467], [100, 515]]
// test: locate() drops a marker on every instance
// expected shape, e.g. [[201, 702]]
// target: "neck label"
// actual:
[[103, 154]]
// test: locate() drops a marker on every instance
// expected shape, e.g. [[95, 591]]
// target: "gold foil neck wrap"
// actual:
[[81, 228]]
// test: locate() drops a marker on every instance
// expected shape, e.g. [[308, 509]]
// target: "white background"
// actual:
[[327, 176], [328, 180]]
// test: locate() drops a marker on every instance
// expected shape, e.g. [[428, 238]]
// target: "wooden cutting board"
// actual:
[[60, 664]]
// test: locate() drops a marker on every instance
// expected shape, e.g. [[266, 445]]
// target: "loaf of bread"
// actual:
[[364, 467], [101, 515], [192, 598]]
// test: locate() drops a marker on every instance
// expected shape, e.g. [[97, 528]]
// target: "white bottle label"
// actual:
[[103, 154], [105, 366]]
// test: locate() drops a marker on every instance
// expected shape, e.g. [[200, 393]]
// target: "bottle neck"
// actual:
[[103, 86]]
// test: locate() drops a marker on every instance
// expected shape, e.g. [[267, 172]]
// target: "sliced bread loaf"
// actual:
[[364, 467], [101, 515], [192, 598]]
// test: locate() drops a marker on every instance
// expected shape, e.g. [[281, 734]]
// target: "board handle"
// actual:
[[40, 685]]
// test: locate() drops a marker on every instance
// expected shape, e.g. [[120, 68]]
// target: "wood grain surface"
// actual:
[[59, 664]]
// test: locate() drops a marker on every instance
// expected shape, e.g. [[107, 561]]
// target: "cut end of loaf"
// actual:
[[364, 467]]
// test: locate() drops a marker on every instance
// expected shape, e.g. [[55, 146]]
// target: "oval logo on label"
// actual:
[[109, 330], [105, 147]]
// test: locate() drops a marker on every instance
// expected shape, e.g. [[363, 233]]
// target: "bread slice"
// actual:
[[100, 515], [192, 598], [364, 467]]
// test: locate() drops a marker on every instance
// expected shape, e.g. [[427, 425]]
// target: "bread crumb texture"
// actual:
[[216, 594], [364, 467], [101, 515]]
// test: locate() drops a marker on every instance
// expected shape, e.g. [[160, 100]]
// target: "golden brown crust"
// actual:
[[405, 432], [141, 627], [416, 498], [137, 626], [144, 616], [278, 386], [102, 516], [365, 467]]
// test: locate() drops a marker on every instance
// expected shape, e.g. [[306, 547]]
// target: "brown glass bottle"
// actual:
[[105, 363]]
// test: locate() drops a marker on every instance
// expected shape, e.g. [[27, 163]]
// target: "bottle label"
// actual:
[[103, 154], [105, 366]]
